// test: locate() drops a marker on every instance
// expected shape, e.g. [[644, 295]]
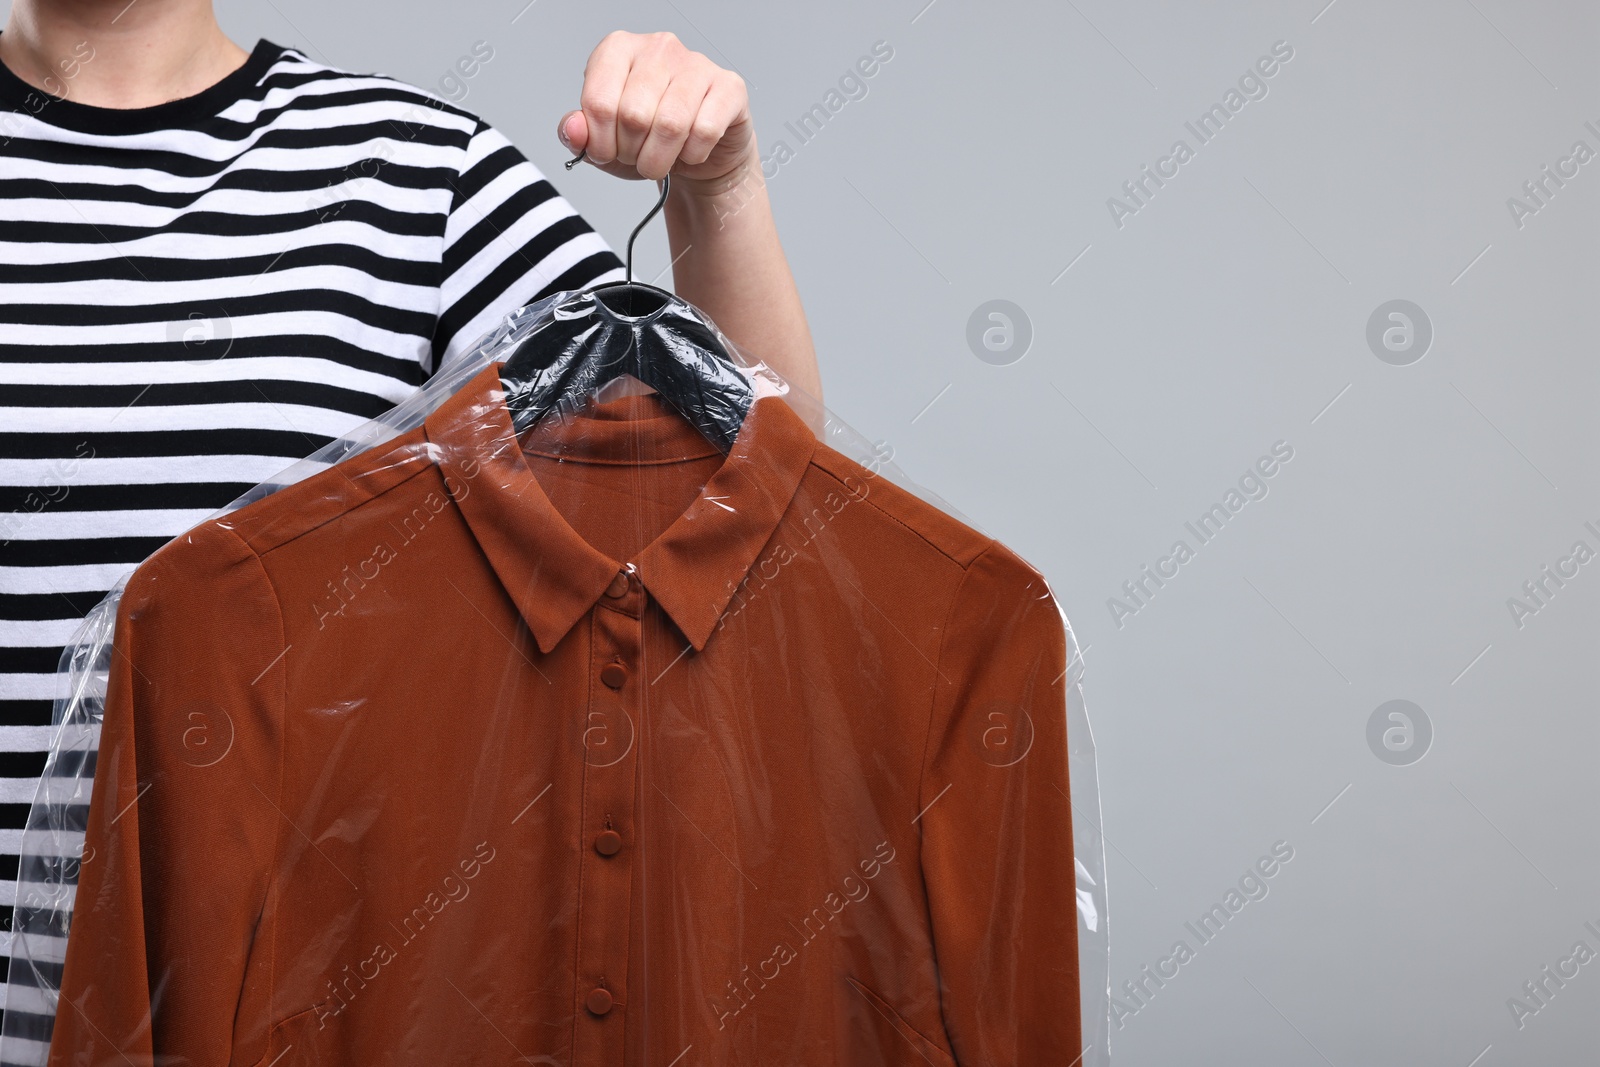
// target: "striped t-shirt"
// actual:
[[196, 294]]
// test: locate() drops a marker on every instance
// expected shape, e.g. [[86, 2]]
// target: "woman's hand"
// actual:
[[650, 107]]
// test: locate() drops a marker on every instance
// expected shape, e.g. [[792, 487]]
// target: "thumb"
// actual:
[[573, 131]]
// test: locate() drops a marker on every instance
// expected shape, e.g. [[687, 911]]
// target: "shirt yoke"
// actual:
[[949, 536], [313, 502]]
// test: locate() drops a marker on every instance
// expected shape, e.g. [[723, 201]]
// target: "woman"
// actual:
[[214, 261]]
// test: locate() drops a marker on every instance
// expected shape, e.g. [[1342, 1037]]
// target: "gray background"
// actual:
[[1168, 354]]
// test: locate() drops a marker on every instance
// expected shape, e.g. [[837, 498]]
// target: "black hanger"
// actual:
[[601, 333]]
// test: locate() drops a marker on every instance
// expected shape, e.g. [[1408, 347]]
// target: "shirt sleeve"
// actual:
[[511, 239], [996, 821], [183, 816]]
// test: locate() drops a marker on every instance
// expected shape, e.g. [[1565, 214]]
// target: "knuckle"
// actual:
[[633, 118], [602, 109], [672, 125]]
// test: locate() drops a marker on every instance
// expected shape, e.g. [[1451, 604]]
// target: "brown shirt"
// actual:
[[599, 750]]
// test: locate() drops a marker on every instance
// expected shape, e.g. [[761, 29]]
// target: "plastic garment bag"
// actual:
[[503, 731]]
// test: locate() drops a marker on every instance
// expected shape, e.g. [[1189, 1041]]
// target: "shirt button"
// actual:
[[608, 842], [599, 1001], [614, 674], [618, 586]]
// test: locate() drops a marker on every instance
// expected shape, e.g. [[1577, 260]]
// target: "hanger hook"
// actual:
[[666, 185]]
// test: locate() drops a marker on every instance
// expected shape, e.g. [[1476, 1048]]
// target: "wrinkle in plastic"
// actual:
[[593, 742]]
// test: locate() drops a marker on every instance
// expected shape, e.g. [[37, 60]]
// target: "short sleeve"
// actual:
[[510, 239], [996, 820], [183, 816]]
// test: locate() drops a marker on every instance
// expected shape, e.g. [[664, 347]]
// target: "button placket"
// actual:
[[610, 755]]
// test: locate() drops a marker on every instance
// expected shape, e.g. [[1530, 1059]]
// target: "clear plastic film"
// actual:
[[507, 731]]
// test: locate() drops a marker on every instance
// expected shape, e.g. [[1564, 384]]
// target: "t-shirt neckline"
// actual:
[[66, 113]]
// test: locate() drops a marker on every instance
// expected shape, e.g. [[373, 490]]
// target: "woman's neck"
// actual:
[[118, 54]]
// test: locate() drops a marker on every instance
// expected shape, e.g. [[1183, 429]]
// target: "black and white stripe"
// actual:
[[193, 296]]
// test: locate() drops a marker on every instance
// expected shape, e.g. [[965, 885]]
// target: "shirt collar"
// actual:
[[552, 574]]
